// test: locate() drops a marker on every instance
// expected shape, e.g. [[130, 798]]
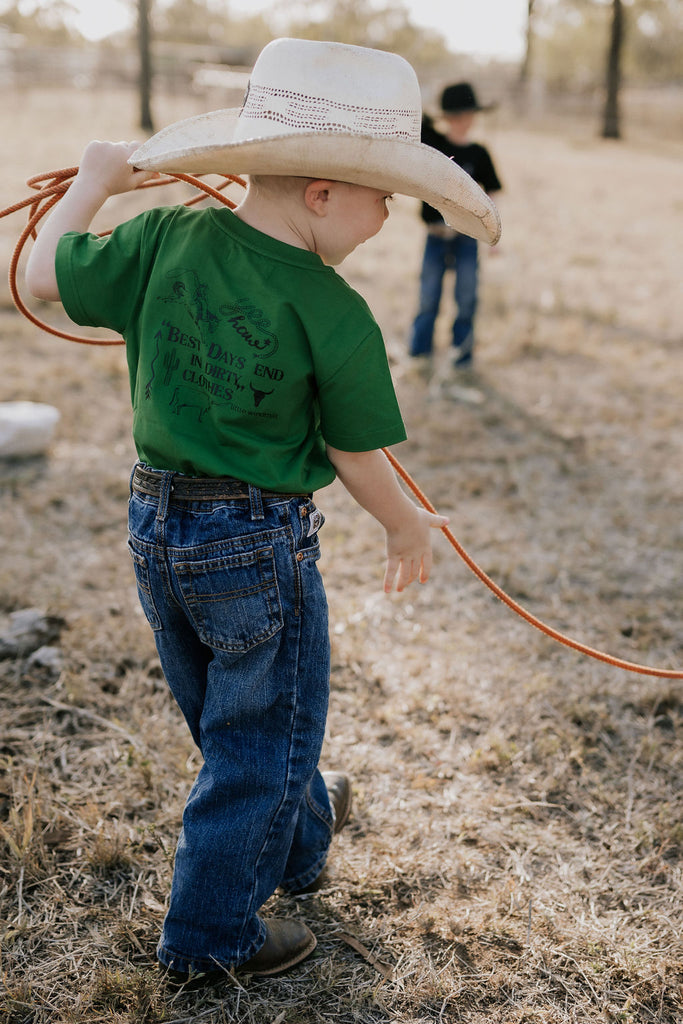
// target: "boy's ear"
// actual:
[[317, 196]]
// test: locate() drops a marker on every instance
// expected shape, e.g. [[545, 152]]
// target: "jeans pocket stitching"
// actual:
[[144, 586], [261, 593]]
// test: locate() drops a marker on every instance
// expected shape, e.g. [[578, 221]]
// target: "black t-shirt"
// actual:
[[472, 157]]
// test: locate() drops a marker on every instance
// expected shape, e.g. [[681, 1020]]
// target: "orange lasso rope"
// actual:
[[43, 201], [629, 666], [45, 197]]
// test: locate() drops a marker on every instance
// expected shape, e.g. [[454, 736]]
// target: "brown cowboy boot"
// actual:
[[288, 942], [339, 791]]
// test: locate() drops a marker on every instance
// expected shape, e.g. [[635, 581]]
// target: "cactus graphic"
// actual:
[[148, 385], [171, 363]]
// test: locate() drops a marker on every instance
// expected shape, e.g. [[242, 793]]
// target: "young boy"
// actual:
[[257, 375], [446, 248]]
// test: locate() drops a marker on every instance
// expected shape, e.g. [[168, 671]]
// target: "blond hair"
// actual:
[[278, 184]]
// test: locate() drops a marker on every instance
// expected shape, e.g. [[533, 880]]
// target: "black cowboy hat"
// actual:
[[460, 98]]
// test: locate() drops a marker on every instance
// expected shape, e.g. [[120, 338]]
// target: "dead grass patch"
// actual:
[[515, 852]]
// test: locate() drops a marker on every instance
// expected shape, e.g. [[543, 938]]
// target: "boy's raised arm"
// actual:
[[104, 171], [371, 481]]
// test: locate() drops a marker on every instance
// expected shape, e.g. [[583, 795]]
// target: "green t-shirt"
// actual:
[[245, 354]]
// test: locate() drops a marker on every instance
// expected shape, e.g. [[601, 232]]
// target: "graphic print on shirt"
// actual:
[[201, 370], [192, 293]]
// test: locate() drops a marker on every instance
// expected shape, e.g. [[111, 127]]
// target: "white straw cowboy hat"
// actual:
[[327, 110]]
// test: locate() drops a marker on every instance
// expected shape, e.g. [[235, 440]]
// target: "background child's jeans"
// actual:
[[232, 591], [459, 253]]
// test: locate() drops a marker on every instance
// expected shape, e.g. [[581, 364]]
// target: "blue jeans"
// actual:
[[440, 254], [233, 594]]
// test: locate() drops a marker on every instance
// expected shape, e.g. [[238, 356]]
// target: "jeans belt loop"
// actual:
[[255, 502], [164, 496]]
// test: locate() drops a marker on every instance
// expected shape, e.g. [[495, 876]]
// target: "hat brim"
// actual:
[[475, 108], [204, 145]]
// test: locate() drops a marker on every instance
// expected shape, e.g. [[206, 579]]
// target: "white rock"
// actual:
[[26, 428]]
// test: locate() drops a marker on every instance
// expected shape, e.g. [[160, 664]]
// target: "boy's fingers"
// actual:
[[390, 574], [425, 568], [398, 571], [403, 572], [406, 575]]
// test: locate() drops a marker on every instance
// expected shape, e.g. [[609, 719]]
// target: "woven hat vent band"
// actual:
[[300, 112]]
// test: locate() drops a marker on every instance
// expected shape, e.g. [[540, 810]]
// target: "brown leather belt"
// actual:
[[199, 488]]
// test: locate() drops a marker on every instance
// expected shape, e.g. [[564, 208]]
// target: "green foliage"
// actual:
[[572, 37], [363, 24], [657, 40], [207, 22], [44, 24]]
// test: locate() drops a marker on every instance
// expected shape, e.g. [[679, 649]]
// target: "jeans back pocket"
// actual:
[[234, 598]]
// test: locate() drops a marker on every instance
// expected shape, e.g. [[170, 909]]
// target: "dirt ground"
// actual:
[[516, 849]]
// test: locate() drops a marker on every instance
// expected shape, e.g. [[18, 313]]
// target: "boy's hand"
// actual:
[[104, 168], [104, 171], [369, 478], [409, 550]]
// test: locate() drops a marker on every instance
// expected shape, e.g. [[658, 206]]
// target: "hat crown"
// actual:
[[327, 110], [302, 85], [458, 98]]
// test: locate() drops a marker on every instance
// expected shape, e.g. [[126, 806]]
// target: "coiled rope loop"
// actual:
[[42, 202], [45, 197]]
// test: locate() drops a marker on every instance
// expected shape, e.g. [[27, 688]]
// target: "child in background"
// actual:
[[446, 248], [257, 376]]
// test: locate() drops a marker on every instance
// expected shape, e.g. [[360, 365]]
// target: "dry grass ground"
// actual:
[[516, 850]]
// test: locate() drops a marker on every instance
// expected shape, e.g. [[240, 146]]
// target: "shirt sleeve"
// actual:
[[358, 406], [99, 278]]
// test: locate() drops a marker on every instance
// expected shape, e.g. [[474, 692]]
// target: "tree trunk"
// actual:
[[144, 34], [526, 62], [610, 128]]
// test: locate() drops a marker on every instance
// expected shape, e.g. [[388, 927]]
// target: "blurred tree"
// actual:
[[46, 25], [569, 44], [189, 22], [209, 22], [525, 67], [593, 46], [655, 44], [610, 124], [570, 38], [362, 24], [145, 72]]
